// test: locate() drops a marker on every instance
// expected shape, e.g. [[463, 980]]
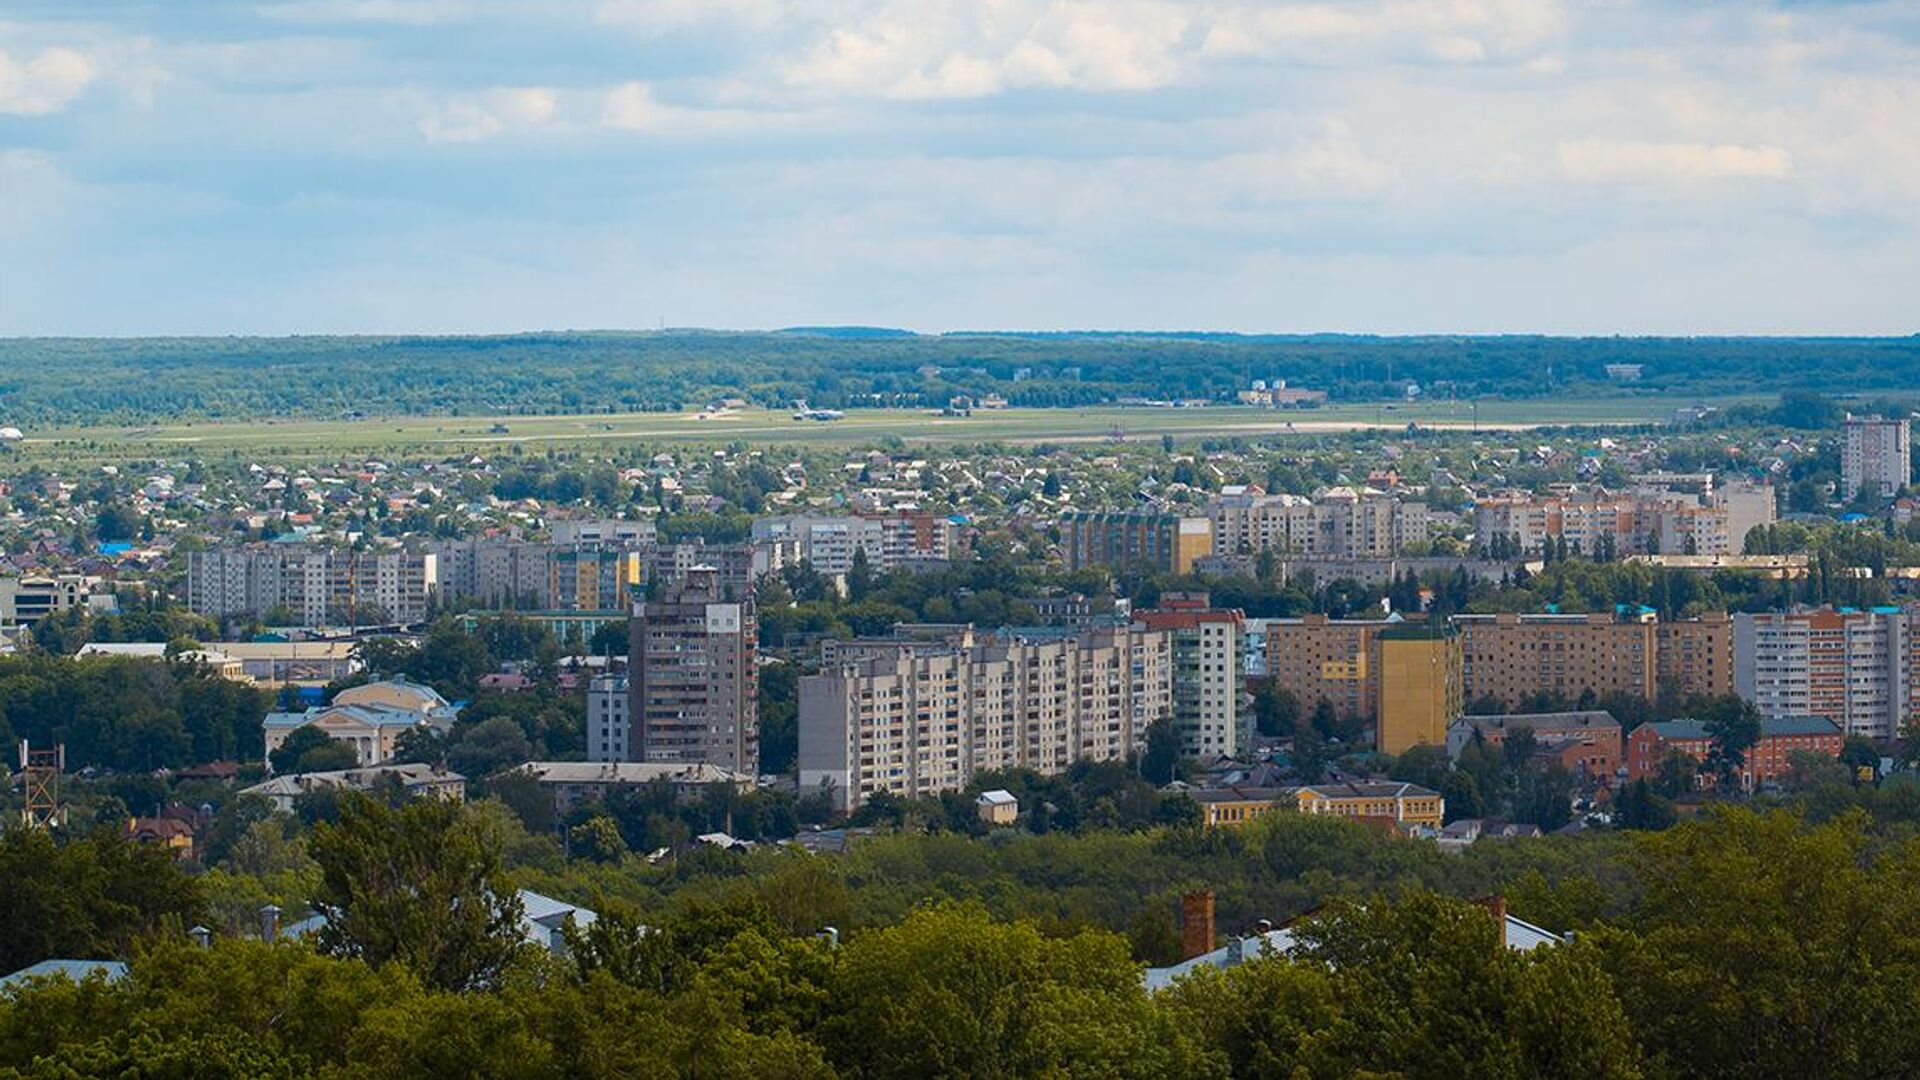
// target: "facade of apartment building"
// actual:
[[609, 719], [1212, 710], [1337, 523], [926, 711], [1509, 657], [889, 541], [1513, 657], [318, 585], [1658, 516], [495, 572], [1852, 667], [1422, 687], [1163, 543], [691, 676], [1876, 456], [542, 576]]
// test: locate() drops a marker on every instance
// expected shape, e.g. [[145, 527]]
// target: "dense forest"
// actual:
[[1741, 945], [51, 380]]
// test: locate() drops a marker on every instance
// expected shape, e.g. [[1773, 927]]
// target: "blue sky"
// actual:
[[1569, 166]]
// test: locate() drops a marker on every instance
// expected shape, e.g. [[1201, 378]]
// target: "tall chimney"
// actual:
[[269, 923], [1196, 924], [1497, 904]]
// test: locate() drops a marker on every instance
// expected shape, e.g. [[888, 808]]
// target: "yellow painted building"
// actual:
[[1404, 804], [1422, 687]]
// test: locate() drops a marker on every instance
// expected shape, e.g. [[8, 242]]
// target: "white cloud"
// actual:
[[1452, 31], [45, 84], [968, 48], [1614, 160], [398, 12], [630, 107], [477, 117]]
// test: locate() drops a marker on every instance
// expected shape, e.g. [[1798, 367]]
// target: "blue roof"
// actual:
[[116, 547], [372, 716], [76, 970]]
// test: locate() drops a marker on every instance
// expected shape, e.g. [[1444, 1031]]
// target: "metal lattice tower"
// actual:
[[40, 770]]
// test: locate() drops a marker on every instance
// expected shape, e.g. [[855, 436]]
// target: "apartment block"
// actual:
[[318, 585], [1681, 514], [1852, 667], [609, 719], [733, 566], [1341, 522], [1508, 656], [691, 675], [496, 572], [1422, 687], [1513, 657], [927, 710], [1694, 657], [889, 541], [1876, 456], [1163, 543], [1212, 709], [593, 577]]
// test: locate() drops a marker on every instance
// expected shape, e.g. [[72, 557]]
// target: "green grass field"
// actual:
[[439, 436]]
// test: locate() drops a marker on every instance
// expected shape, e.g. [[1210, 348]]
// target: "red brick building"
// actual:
[[1769, 759]]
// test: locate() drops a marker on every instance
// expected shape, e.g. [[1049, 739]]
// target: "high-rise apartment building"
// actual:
[[1163, 543], [1510, 657], [593, 577], [691, 675], [609, 719], [317, 585], [924, 712], [1852, 667], [889, 541], [495, 572], [1673, 514], [1212, 710], [1341, 522], [1422, 688], [540, 575], [1876, 456]]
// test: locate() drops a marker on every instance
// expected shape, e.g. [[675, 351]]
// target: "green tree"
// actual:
[[418, 885], [308, 749], [92, 897]]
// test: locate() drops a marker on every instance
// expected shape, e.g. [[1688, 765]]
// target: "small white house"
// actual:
[[997, 807]]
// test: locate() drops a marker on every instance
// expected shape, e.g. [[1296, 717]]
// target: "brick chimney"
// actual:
[[1498, 905], [1196, 924]]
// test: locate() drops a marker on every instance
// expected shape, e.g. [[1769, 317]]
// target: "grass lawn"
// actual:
[[438, 436]]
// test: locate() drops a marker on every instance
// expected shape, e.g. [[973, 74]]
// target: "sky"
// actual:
[[1383, 166]]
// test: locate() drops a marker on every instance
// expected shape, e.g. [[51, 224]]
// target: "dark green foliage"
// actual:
[[126, 380], [123, 713], [89, 897], [418, 885], [308, 749]]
